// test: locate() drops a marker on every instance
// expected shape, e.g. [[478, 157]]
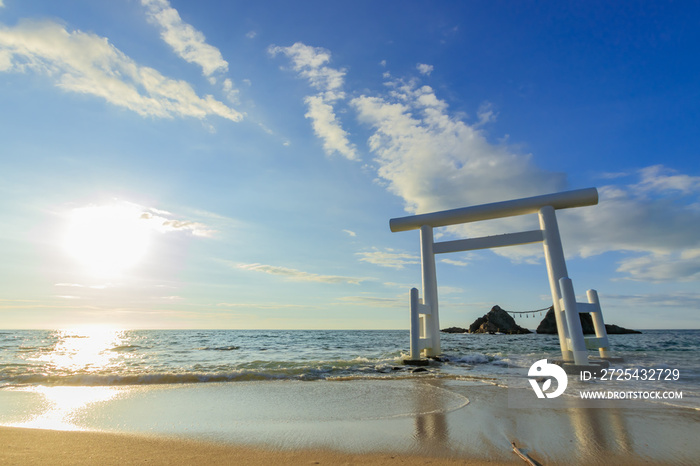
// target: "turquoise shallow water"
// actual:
[[156, 357]]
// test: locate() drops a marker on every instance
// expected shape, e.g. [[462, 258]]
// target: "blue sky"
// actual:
[[235, 164]]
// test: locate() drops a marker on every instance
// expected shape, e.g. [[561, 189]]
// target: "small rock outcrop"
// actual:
[[549, 325], [497, 321], [613, 329], [454, 330]]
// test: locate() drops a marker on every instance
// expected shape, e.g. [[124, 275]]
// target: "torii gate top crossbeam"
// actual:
[[528, 205]]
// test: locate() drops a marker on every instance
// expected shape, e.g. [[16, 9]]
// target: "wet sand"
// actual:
[[414, 421]]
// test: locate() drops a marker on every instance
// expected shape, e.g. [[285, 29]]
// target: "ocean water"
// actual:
[[33, 358]]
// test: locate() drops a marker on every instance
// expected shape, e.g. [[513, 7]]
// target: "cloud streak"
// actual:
[[388, 258], [186, 41], [310, 63], [683, 266], [298, 275], [163, 224], [374, 301], [85, 63], [683, 300], [191, 45], [151, 219]]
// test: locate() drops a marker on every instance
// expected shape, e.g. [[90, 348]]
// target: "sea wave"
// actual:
[[474, 358], [219, 348], [165, 378], [132, 370], [351, 369], [126, 348]]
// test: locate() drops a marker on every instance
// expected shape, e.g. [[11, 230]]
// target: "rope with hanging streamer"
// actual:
[[540, 311]]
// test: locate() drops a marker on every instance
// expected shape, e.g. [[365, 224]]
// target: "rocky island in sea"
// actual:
[[497, 320], [548, 325]]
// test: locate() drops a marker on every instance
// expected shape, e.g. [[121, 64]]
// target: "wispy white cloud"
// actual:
[[683, 300], [660, 179], [435, 161], [117, 213], [486, 114], [401, 286], [424, 69], [163, 224], [166, 222], [656, 228], [78, 285], [310, 63], [266, 306], [442, 290], [388, 258], [397, 302], [627, 220], [230, 91], [185, 40], [458, 263], [88, 64], [611, 175], [374, 301], [299, 275], [350, 233], [671, 267], [327, 127], [191, 45]]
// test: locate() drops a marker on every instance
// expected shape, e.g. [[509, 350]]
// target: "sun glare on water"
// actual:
[[107, 240], [78, 352], [85, 349]]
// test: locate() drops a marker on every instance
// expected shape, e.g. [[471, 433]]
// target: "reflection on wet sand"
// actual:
[[584, 432], [431, 428], [601, 431], [60, 406]]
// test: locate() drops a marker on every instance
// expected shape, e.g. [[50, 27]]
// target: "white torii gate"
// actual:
[[425, 324]]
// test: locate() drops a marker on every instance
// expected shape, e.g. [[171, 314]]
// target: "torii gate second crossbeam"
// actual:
[[425, 325]]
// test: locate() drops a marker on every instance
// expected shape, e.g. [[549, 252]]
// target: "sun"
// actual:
[[107, 240]]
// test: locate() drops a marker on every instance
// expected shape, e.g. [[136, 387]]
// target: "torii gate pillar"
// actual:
[[430, 292]]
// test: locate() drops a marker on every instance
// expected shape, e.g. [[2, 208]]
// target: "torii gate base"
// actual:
[[425, 325]]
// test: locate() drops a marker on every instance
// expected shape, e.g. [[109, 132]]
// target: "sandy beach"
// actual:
[[427, 421], [41, 447]]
